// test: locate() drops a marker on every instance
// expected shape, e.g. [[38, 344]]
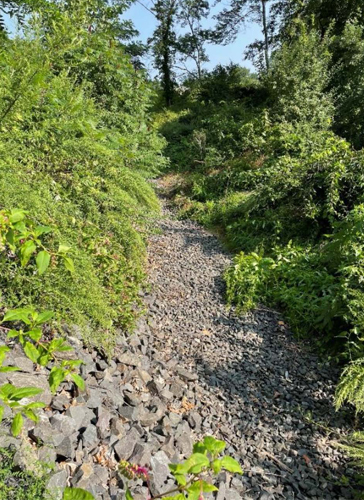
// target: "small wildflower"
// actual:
[[143, 472], [132, 471]]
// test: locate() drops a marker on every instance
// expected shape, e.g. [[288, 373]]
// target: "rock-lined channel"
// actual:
[[192, 369]]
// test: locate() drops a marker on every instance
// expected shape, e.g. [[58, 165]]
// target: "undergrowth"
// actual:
[[76, 150], [19, 485]]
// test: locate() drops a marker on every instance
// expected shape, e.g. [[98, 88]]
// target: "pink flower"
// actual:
[[142, 471]]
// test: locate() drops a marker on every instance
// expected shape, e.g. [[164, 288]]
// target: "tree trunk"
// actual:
[[265, 32]]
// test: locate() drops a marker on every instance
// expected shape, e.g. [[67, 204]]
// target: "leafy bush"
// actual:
[[75, 151], [42, 350]]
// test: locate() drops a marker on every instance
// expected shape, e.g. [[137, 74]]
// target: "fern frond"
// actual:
[[355, 448], [351, 386]]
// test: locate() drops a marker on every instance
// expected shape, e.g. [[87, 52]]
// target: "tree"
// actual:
[[164, 44], [333, 13], [18, 9], [190, 45], [268, 13]]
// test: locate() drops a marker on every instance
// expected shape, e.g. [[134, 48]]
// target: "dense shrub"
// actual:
[[75, 151]]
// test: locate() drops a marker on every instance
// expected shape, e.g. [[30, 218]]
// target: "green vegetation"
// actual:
[[274, 163], [19, 485], [76, 149], [272, 160], [193, 476]]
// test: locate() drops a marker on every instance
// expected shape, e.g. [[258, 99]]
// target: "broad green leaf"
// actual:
[[231, 465], [44, 359], [13, 334], [128, 495], [55, 378], [39, 230], [16, 215], [181, 479], [216, 466], [78, 381], [77, 494], [26, 252], [198, 487], [196, 463], [44, 317], [3, 350], [73, 363], [43, 259], [18, 315], [35, 334], [7, 369], [208, 488], [31, 415], [1, 413], [214, 446], [180, 496], [179, 469], [24, 392], [31, 351], [64, 348], [199, 448], [6, 390], [17, 424], [10, 238], [69, 265], [35, 405], [63, 249]]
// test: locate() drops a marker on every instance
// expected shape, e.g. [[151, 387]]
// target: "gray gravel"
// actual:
[[269, 397], [191, 369]]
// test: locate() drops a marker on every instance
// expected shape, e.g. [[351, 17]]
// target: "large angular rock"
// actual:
[[43, 432], [129, 359], [64, 424], [186, 375], [56, 484], [159, 472], [81, 415], [103, 423], [89, 437], [65, 449], [124, 448]]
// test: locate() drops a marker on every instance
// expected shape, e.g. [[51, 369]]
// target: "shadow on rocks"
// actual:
[[279, 402]]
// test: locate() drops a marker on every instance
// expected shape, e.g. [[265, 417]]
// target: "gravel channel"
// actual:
[[257, 388]]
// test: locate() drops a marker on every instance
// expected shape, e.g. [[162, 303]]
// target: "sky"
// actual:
[[145, 23]]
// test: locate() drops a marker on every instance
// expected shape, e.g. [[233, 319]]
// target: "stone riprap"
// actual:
[[192, 369]]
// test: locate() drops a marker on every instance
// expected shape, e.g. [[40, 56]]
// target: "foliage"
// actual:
[[351, 386], [299, 79], [75, 151], [190, 475], [191, 44], [163, 44], [347, 82], [76, 494], [20, 239], [19, 485], [42, 351]]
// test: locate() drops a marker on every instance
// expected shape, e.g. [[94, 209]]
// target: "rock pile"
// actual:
[[191, 369]]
